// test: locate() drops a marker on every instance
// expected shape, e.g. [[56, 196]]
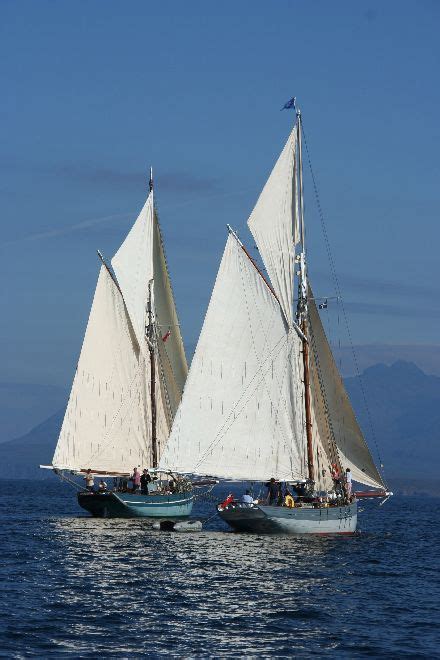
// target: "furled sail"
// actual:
[[273, 224], [106, 424], [133, 265], [333, 410], [241, 412]]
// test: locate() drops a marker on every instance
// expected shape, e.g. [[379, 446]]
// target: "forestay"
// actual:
[[272, 225], [240, 414], [331, 401]]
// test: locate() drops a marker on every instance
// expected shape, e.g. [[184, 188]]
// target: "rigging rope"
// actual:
[[338, 293]]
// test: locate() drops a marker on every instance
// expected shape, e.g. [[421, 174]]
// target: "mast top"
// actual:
[[150, 182]]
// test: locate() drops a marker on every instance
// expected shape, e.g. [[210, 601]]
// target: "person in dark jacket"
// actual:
[[145, 480]]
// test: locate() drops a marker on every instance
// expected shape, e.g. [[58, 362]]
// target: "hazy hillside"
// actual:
[[21, 458], [404, 404], [23, 405]]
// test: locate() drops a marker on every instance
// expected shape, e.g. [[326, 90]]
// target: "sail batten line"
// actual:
[[107, 437], [222, 431]]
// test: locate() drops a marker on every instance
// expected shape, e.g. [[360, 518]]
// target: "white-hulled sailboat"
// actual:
[[263, 396], [128, 382]]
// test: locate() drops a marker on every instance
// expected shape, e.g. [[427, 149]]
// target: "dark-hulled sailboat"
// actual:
[[128, 382]]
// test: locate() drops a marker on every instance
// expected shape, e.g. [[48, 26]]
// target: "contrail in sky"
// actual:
[[93, 222], [63, 231]]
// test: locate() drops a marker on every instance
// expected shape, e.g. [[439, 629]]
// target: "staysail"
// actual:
[[240, 416], [274, 225]]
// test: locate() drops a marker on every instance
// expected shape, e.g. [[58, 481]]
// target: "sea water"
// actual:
[[74, 585]]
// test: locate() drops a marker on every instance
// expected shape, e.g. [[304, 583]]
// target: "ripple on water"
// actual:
[[80, 586]]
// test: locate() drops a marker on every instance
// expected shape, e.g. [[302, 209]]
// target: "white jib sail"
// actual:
[[272, 225], [133, 265], [327, 382], [238, 415], [107, 422]]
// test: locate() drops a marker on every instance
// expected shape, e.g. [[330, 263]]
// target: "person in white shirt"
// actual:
[[348, 484], [89, 480], [247, 498]]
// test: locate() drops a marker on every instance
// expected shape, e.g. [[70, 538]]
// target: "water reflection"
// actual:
[[161, 587], [82, 586]]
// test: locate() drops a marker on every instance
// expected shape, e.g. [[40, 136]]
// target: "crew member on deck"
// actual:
[[273, 489], [348, 484], [89, 480], [136, 479], [102, 486], [227, 501], [145, 480], [247, 498], [336, 476]]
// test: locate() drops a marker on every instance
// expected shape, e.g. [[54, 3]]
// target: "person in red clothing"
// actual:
[[336, 476], [228, 500]]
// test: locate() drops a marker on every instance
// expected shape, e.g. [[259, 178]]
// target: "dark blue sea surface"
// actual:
[[74, 585]]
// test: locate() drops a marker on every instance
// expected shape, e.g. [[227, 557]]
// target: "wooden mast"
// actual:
[[302, 310], [151, 347]]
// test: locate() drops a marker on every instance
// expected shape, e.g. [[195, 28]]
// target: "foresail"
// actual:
[[240, 415], [273, 224], [106, 425], [172, 360], [333, 410], [133, 265]]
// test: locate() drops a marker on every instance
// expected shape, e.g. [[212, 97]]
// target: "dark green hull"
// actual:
[[134, 505]]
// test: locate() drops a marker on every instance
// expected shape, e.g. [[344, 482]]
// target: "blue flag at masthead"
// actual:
[[290, 104]]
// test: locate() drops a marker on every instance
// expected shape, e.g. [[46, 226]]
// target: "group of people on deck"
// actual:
[[291, 495], [137, 483]]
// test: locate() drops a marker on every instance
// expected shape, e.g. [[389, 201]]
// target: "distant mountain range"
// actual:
[[23, 405], [403, 405]]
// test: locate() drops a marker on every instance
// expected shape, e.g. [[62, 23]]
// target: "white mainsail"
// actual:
[[108, 421], [240, 415], [274, 225]]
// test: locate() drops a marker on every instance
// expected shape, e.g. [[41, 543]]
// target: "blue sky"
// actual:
[[94, 92]]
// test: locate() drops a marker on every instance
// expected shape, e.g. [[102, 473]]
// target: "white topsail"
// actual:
[[241, 413], [274, 225], [133, 265]]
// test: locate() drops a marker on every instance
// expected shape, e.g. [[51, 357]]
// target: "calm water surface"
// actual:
[[73, 585]]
